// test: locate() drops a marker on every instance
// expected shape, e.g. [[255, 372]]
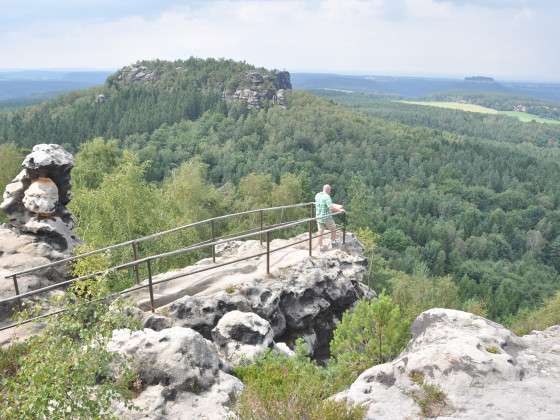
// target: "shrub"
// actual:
[[277, 386], [373, 332], [65, 371], [538, 319]]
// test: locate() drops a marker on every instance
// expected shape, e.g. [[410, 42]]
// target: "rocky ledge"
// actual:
[[208, 322], [302, 297], [461, 366]]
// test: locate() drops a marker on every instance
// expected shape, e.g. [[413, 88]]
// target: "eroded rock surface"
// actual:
[[260, 87], [181, 374], [484, 370], [242, 336], [304, 297], [40, 227]]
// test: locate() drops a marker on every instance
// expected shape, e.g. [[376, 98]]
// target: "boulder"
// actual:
[[41, 197], [181, 374], [242, 336], [462, 366]]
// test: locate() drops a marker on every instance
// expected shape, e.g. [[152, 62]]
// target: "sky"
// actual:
[[506, 39]]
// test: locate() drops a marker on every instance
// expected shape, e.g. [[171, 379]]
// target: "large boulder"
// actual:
[[242, 336], [459, 365], [181, 374]]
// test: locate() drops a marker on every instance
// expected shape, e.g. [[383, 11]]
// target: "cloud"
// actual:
[[366, 36]]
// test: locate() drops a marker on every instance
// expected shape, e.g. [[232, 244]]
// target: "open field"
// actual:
[[521, 116]]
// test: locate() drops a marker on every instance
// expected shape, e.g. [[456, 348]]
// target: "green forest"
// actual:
[[454, 209], [446, 193]]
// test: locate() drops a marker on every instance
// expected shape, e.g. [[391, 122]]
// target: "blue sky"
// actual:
[[511, 39]]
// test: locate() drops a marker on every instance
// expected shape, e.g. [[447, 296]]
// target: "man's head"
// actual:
[[327, 189]]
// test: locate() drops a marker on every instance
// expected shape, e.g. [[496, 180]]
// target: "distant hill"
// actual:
[[417, 87], [34, 85], [479, 79], [140, 98]]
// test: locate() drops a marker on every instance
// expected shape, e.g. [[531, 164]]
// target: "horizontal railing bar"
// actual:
[[205, 244], [116, 294], [143, 286], [152, 236]]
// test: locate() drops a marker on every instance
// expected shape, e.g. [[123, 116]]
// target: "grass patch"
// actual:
[[460, 106], [430, 398], [493, 350], [10, 360], [417, 377], [230, 289]]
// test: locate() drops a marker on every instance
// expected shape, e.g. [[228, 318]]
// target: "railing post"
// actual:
[[268, 252], [135, 252], [261, 217], [344, 227], [213, 239], [149, 262], [20, 305], [309, 227]]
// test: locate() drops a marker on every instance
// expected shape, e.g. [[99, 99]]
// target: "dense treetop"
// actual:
[[442, 193]]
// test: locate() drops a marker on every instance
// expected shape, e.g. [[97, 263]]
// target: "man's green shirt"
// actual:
[[323, 203]]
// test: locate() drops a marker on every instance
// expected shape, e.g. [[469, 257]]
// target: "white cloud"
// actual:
[[373, 36]]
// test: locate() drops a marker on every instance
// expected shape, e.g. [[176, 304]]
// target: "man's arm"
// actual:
[[336, 208]]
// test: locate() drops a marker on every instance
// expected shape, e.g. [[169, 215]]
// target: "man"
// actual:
[[324, 208]]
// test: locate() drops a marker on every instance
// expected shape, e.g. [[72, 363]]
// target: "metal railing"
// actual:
[[264, 232]]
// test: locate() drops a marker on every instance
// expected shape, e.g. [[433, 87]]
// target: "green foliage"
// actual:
[[493, 350], [95, 159], [417, 293], [65, 371], [372, 332], [429, 397], [277, 386], [10, 165], [538, 319]]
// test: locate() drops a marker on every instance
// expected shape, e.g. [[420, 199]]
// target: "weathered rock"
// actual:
[[157, 322], [40, 227], [182, 375], [484, 370], [242, 336], [260, 87], [35, 201], [41, 197], [306, 297]]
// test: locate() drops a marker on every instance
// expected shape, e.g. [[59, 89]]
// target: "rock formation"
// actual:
[[304, 297], [181, 374], [242, 336], [40, 227], [259, 87], [461, 366]]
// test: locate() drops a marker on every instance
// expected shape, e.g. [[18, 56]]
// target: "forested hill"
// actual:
[[140, 98], [473, 218]]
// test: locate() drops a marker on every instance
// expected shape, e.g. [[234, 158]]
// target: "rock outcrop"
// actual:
[[461, 366], [181, 374], [304, 297], [40, 227], [259, 87], [242, 336]]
